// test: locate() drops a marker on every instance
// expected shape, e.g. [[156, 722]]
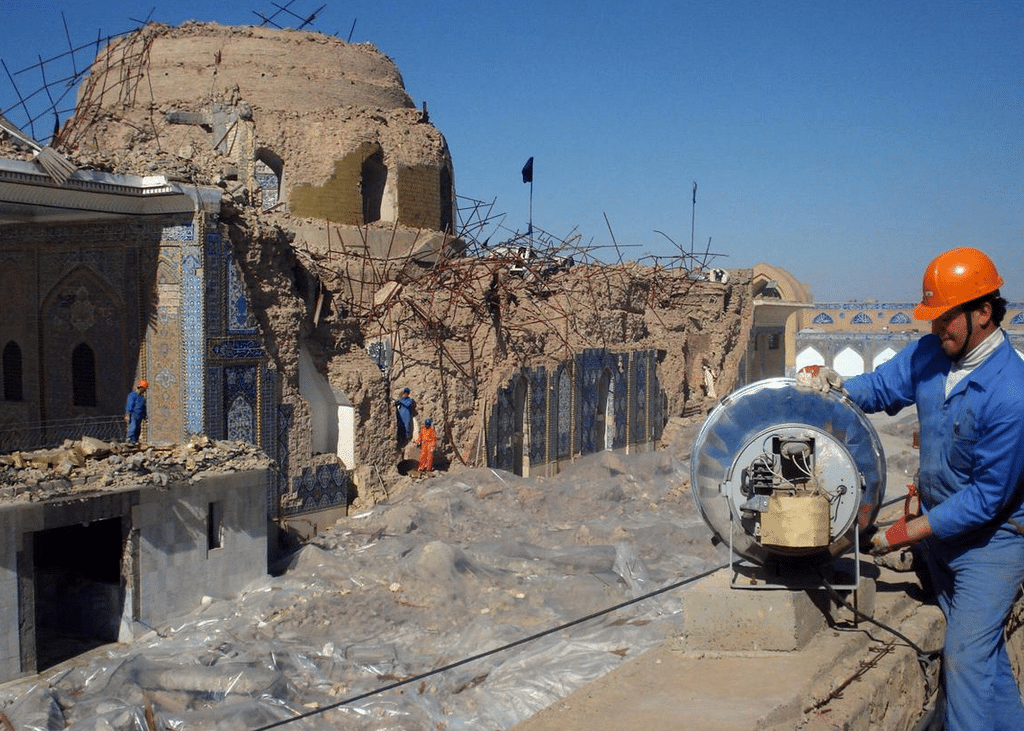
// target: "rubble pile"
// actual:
[[89, 465], [211, 105], [475, 560]]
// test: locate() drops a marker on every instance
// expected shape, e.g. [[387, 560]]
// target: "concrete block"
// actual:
[[718, 617]]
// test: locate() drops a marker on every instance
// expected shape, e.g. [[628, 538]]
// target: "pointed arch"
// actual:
[[84, 338], [882, 357], [809, 356], [268, 169], [848, 362]]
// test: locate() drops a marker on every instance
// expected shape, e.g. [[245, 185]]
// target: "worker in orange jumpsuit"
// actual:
[[427, 442]]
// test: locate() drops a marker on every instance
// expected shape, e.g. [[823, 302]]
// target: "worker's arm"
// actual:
[[901, 533]]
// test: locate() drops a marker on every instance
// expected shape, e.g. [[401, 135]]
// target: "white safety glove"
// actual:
[[819, 378]]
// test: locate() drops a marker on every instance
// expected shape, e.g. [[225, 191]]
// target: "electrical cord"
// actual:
[[494, 651], [925, 659]]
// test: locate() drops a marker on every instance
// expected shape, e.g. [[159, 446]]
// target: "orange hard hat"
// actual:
[[953, 278], [143, 383]]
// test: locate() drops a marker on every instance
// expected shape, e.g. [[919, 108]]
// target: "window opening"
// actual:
[[83, 375], [214, 526], [374, 175], [12, 372]]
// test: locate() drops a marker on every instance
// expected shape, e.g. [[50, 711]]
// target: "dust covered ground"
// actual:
[[416, 599]]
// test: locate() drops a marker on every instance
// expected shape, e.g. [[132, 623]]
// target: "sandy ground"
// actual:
[[450, 598]]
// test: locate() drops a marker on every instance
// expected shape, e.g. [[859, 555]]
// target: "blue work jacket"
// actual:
[[136, 405], [972, 442]]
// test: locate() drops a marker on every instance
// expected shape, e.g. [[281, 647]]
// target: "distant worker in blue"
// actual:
[[135, 411], [968, 384], [404, 408]]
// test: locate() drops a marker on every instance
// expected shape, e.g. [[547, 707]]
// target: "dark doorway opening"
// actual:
[[78, 589]]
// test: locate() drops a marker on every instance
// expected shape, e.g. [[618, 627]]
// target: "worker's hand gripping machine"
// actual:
[[789, 478]]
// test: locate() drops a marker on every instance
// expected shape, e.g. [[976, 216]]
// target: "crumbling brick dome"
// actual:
[[308, 122], [274, 70]]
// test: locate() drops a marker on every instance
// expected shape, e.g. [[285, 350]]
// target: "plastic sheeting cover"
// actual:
[[454, 566]]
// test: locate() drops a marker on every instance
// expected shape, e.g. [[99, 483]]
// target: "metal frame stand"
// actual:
[[791, 574]]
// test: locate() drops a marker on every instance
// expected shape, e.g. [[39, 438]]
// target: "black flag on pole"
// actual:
[[528, 171]]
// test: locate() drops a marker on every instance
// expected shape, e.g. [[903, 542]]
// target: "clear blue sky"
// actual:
[[848, 142]]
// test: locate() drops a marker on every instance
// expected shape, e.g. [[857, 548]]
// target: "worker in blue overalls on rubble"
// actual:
[[135, 411], [968, 384]]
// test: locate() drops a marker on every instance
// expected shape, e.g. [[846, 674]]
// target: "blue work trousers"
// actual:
[[134, 429], [976, 589]]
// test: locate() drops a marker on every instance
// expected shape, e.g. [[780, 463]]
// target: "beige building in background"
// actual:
[[791, 331]]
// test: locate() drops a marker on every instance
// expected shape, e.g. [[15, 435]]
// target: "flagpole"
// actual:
[[531, 213], [528, 178]]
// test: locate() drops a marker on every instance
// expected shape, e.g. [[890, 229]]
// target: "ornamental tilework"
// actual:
[[564, 412], [638, 422], [182, 234], [500, 429], [163, 354], [82, 309], [282, 430], [241, 420], [381, 354], [108, 261], [214, 406], [538, 380], [240, 319], [236, 348], [215, 258], [268, 411], [325, 486], [240, 384], [268, 182], [563, 418], [192, 337]]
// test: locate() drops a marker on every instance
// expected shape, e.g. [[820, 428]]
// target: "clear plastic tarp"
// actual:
[[396, 618]]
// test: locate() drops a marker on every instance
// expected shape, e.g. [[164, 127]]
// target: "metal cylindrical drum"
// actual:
[[782, 471]]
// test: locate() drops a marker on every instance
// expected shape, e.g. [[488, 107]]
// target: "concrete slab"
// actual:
[[757, 619], [844, 677]]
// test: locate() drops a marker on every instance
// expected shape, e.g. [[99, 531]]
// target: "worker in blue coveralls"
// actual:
[[404, 407], [968, 384], [135, 411]]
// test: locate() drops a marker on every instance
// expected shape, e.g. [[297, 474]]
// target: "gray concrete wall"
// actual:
[[176, 567], [167, 562], [10, 645]]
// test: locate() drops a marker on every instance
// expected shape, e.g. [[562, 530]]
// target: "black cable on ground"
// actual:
[[925, 659], [495, 651]]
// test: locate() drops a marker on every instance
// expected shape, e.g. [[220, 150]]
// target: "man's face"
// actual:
[[951, 328]]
